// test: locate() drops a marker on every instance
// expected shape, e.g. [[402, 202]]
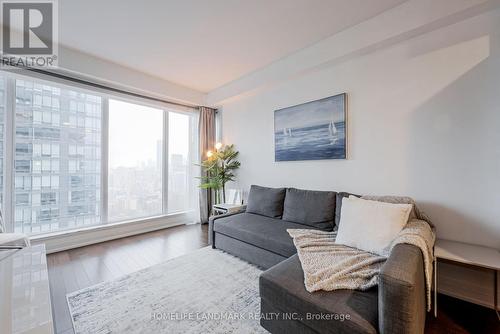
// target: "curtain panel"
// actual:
[[207, 142]]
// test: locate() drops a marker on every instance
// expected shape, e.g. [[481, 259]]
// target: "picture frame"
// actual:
[[315, 130]]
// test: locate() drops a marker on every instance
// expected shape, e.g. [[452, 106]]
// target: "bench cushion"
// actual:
[[283, 287], [264, 232]]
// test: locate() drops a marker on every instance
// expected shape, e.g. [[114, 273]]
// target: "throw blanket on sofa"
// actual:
[[329, 266]]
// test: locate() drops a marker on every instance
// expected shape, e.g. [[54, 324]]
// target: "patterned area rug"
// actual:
[[206, 291]]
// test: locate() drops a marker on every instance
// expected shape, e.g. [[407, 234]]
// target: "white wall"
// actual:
[[424, 121]]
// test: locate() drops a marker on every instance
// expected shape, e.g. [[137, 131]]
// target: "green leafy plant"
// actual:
[[219, 168]]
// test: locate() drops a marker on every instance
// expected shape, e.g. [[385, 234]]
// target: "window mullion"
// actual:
[[104, 159], [9, 160], [164, 174]]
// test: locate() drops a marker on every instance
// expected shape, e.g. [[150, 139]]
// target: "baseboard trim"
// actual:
[[92, 235]]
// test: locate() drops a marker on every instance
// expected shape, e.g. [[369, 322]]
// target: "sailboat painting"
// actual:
[[311, 131]]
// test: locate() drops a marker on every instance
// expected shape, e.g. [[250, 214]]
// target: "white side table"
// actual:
[[223, 208], [24, 292], [468, 272]]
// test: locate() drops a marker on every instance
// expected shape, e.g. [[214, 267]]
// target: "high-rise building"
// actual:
[[57, 158]]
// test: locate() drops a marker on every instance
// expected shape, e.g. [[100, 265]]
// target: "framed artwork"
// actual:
[[312, 131]]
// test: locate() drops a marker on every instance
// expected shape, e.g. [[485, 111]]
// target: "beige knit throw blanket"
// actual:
[[329, 266]]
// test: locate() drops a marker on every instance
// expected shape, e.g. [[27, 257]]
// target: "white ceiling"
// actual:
[[204, 44]]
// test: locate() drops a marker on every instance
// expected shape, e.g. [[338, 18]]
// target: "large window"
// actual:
[[135, 161], [57, 158], [60, 178]]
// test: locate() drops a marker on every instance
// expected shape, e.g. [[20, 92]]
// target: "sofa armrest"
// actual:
[[401, 292], [211, 220]]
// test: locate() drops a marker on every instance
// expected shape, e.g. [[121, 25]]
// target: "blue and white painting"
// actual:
[[311, 131]]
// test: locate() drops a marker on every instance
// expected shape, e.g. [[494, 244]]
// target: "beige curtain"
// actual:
[[207, 142]]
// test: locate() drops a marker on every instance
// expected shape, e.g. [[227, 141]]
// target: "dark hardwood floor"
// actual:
[[79, 268], [457, 316], [82, 267]]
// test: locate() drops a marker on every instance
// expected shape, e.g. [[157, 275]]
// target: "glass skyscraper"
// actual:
[[57, 158]]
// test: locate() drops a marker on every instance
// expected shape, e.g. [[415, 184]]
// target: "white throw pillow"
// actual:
[[371, 225]]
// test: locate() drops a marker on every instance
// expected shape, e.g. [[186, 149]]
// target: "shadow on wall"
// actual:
[[460, 221], [457, 133]]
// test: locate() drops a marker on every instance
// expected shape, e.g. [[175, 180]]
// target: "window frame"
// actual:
[[8, 205]]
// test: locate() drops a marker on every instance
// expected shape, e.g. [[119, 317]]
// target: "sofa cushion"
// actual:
[[381, 221], [338, 205], [245, 251], [264, 232], [266, 201], [309, 207], [396, 200], [283, 287]]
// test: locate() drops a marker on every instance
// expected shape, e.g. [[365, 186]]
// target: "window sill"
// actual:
[[78, 237]]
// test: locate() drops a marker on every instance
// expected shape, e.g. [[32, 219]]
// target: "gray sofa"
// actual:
[[258, 235]]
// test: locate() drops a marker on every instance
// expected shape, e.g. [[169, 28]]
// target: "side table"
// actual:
[[24, 291], [223, 208], [468, 272]]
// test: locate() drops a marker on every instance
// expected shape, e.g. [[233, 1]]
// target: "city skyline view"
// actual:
[[132, 129], [58, 158], [136, 158]]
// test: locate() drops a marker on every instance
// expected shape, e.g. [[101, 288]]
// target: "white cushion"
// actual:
[[371, 225]]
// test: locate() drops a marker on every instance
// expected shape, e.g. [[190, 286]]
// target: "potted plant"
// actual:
[[219, 168]]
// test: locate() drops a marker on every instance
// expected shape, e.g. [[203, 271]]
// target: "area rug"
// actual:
[[206, 291]]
